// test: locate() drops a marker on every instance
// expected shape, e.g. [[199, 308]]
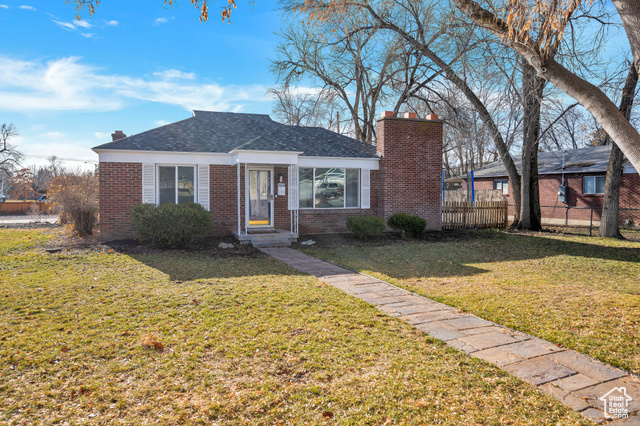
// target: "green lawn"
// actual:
[[580, 292], [182, 337]]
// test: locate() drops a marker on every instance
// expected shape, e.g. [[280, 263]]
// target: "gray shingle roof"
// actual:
[[582, 160], [222, 132]]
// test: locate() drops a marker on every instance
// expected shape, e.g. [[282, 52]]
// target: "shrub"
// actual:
[[171, 225], [407, 224], [365, 226], [74, 196]]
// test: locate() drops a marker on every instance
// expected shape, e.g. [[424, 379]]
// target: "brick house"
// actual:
[[583, 175], [257, 176]]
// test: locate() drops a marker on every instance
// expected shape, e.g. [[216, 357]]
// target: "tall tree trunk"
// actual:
[[609, 226], [609, 222], [629, 11], [532, 86]]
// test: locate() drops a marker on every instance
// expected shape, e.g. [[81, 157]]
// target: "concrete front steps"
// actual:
[[267, 238]]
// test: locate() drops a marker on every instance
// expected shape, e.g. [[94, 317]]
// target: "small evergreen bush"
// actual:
[[171, 225], [407, 224], [365, 226]]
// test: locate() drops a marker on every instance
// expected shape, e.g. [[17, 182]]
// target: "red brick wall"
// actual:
[[120, 188], [223, 188], [411, 168], [629, 197]]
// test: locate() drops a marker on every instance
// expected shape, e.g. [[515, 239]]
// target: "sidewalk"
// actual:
[[24, 219], [574, 379]]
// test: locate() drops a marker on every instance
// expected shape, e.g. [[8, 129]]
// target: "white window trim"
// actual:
[[195, 181], [503, 181], [595, 184], [313, 196]]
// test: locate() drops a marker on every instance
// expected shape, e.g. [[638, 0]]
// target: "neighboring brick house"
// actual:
[[300, 179], [583, 175]]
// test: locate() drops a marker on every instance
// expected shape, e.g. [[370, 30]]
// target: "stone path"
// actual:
[[573, 378]]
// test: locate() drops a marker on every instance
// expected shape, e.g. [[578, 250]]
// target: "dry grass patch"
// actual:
[[80, 331], [580, 292]]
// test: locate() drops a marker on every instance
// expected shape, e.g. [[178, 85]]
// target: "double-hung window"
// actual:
[[593, 184], [176, 184], [329, 188], [502, 185]]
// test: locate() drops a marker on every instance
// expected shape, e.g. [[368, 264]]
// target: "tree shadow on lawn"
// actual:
[[418, 259], [190, 266]]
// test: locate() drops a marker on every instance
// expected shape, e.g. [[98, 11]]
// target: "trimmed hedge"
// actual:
[[171, 225], [407, 224], [366, 226]]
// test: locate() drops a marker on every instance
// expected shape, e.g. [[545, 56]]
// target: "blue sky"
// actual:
[[67, 85]]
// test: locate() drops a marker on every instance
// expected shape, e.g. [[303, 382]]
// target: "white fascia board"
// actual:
[[264, 157], [349, 163], [164, 157]]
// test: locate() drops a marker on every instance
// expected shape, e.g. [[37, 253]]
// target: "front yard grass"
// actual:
[[179, 337], [579, 292]]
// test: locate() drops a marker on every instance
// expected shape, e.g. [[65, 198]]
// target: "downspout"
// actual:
[[563, 152]]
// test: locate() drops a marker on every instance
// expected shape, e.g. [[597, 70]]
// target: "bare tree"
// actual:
[[358, 69], [56, 166], [535, 32], [307, 107], [10, 157]]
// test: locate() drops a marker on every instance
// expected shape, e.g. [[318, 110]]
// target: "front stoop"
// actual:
[[575, 379], [272, 238]]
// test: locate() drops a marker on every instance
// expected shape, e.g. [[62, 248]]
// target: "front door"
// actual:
[[260, 199]]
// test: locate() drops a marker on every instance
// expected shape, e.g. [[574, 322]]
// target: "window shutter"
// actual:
[[203, 186], [365, 189], [293, 187], [148, 183]]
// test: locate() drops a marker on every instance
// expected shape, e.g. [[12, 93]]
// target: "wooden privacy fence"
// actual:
[[482, 214], [480, 195], [22, 207]]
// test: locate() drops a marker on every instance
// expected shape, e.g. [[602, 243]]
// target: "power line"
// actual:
[[61, 158]]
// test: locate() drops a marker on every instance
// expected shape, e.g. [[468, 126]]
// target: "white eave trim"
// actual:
[[264, 157], [346, 162], [140, 156], [234, 157]]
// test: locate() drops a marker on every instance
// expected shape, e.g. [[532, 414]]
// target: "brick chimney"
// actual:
[[410, 166], [117, 135]]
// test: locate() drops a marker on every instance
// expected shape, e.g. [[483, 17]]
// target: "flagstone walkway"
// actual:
[[575, 379]]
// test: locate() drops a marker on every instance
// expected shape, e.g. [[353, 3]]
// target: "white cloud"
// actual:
[[71, 26], [160, 21], [65, 25], [112, 23], [83, 24], [26, 7], [4, 6], [175, 74], [88, 35], [37, 147], [103, 136], [160, 123], [68, 84]]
